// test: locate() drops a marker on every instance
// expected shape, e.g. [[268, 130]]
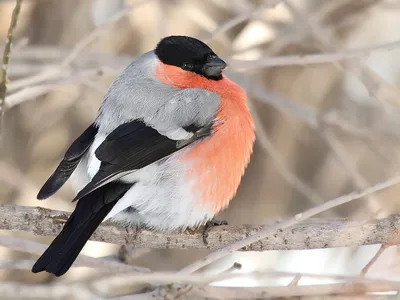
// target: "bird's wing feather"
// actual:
[[132, 146], [69, 163]]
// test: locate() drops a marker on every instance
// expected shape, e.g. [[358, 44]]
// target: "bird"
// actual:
[[167, 150]]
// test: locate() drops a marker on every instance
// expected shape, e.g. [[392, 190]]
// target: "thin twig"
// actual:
[[373, 260], [32, 92], [19, 244], [5, 60], [305, 290], [292, 60], [295, 280]]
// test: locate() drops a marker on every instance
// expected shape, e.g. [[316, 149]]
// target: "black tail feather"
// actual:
[[89, 213]]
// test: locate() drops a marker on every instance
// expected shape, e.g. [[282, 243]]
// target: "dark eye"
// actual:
[[187, 66]]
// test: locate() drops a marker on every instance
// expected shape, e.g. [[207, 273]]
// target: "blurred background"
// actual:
[[323, 129]]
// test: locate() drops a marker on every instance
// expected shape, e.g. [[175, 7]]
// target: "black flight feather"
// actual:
[[69, 163], [87, 216]]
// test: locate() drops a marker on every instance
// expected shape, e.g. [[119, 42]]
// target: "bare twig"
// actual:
[[373, 260], [19, 244], [197, 282], [5, 60], [291, 60], [32, 92], [307, 290], [288, 223], [295, 280], [119, 281]]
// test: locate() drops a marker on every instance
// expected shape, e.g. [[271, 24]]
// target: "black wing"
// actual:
[[69, 163], [132, 146]]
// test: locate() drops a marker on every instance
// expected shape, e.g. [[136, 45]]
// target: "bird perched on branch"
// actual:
[[167, 150]]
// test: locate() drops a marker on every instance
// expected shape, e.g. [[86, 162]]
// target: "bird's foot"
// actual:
[[132, 230], [209, 225]]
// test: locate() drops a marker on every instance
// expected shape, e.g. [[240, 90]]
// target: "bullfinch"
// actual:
[[167, 149]]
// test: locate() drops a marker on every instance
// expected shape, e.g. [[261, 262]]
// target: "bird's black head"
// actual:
[[191, 55]]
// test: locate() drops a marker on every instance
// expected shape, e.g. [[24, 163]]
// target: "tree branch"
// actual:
[[308, 235], [19, 244]]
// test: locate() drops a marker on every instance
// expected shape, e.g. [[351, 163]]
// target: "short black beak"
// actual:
[[214, 66]]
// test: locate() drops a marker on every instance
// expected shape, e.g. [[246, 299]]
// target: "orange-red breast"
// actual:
[[167, 150]]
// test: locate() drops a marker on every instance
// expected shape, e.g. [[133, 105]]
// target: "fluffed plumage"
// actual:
[[167, 150]]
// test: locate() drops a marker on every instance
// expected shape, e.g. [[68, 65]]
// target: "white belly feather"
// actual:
[[161, 196]]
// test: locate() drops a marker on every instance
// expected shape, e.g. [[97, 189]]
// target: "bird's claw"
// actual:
[[132, 230], [209, 225]]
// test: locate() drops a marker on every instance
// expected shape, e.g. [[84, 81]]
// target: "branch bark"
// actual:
[[312, 234]]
